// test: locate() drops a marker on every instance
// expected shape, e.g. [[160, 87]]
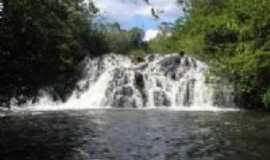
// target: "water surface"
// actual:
[[135, 135]]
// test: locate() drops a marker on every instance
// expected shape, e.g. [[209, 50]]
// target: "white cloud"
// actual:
[[124, 10], [120, 10], [150, 34]]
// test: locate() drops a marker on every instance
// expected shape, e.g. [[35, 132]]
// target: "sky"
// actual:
[[136, 13]]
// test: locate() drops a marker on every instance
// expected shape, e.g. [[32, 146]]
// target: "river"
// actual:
[[160, 107], [135, 135]]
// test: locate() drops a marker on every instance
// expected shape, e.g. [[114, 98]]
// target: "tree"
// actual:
[[136, 37], [42, 44], [119, 40], [233, 37]]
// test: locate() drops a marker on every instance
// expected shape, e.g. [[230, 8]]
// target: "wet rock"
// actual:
[[223, 95], [186, 62], [161, 99], [170, 62], [139, 80], [182, 53], [172, 75], [189, 93], [138, 59], [194, 63], [172, 67], [159, 83], [124, 102], [139, 83], [120, 77], [142, 67], [151, 58], [123, 98], [125, 91]]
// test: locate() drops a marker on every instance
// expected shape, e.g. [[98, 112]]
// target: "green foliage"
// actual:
[[233, 36], [42, 44], [266, 99], [123, 41], [162, 45]]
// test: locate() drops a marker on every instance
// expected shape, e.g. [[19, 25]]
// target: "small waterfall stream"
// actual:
[[156, 81]]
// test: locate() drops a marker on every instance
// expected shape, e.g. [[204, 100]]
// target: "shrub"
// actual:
[[266, 99]]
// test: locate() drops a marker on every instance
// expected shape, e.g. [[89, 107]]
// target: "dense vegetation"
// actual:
[[43, 45], [234, 37], [122, 41]]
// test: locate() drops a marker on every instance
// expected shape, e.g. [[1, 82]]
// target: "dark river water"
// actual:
[[135, 135]]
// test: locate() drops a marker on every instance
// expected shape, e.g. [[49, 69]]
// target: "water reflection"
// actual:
[[135, 135]]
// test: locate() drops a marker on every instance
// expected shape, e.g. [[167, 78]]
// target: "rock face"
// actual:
[[121, 91], [161, 99], [123, 98], [172, 80], [189, 93], [139, 80]]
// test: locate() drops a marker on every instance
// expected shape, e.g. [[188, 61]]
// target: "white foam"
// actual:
[[109, 75]]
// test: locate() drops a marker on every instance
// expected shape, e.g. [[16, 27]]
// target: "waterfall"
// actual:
[[155, 81]]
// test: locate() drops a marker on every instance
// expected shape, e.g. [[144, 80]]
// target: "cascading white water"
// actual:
[[155, 81]]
